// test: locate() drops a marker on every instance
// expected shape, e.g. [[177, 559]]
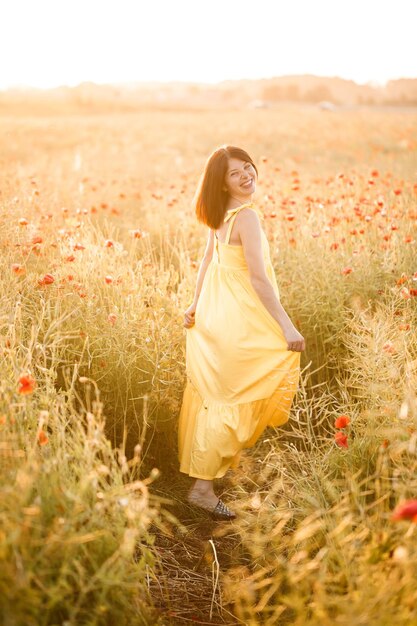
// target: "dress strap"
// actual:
[[231, 214]]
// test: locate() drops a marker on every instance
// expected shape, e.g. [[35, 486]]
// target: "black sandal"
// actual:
[[222, 512], [219, 512]]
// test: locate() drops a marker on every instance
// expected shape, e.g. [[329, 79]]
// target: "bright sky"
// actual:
[[46, 43]]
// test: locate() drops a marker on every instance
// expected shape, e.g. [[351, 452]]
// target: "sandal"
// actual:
[[222, 512], [219, 512]]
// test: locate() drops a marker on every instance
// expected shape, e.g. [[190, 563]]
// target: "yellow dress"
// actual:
[[241, 377]]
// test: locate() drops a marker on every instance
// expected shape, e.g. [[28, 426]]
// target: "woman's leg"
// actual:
[[202, 492]]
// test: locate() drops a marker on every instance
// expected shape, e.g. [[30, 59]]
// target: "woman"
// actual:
[[242, 350]]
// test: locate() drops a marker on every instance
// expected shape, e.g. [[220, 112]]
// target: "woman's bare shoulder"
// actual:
[[248, 217]]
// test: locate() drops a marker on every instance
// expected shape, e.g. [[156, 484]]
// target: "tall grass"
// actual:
[[314, 542], [75, 542]]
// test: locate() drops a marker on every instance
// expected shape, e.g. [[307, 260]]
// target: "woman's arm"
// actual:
[[249, 230], [208, 255]]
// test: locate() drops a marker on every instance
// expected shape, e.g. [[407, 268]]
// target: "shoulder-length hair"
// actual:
[[210, 198]]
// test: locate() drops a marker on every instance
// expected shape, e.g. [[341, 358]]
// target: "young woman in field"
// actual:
[[242, 350]]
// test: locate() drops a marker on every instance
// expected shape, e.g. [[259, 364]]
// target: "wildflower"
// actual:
[[108, 279], [42, 438], [341, 439], [18, 269], [404, 326], [26, 383], [47, 279], [342, 421], [108, 243], [403, 279], [23, 221], [112, 317], [406, 510], [36, 239], [389, 347], [346, 270], [78, 246]]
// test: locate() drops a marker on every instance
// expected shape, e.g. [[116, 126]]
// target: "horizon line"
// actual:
[[24, 86]]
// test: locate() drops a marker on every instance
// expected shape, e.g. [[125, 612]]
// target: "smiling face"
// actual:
[[240, 180]]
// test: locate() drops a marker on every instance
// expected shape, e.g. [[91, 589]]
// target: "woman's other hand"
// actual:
[[189, 316], [295, 340]]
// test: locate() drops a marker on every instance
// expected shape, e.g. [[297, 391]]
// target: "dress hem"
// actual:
[[204, 477]]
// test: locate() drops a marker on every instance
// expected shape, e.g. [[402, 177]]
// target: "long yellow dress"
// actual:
[[241, 377]]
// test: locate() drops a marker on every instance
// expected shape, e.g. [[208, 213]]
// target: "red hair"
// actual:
[[210, 199]]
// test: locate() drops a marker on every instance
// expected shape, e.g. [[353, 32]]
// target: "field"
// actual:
[[99, 256]]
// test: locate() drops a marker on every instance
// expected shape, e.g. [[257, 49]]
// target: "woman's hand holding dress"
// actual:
[[189, 316], [295, 340]]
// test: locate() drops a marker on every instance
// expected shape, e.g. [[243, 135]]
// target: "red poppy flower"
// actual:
[[42, 438], [346, 270], [403, 279], [26, 384], [406, 510], [341, 439], [18, 269], [47, 279], [389, 347], [342, 421]]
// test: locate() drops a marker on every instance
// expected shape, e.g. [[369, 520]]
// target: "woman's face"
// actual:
[[240, 178]]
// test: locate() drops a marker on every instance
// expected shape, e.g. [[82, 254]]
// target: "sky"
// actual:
[[48, 43]]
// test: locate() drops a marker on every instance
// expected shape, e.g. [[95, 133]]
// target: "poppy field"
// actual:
[[100, 252]]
